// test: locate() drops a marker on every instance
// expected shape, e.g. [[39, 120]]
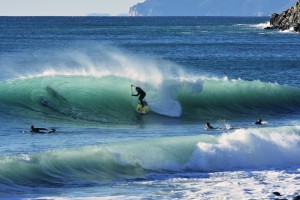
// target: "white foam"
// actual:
[[240, 185], [164, 102], [245, 149], [218, 185], [261, 25], [290, 30]]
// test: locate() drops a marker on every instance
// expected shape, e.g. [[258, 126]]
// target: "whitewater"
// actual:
[[75, 75]]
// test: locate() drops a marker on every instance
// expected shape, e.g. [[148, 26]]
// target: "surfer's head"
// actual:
[[208, 126], [259, 121]]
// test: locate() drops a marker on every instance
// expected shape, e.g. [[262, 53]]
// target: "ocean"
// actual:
[[74, 74]]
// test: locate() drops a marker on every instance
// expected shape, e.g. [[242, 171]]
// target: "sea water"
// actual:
[[74, 74]]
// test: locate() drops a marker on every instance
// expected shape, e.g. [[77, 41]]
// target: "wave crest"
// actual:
[[108, 99]]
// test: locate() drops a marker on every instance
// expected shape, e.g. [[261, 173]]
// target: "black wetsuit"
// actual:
[[142, 94], [41, 130]]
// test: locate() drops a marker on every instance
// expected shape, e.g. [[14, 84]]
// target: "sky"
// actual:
[[65, 7]]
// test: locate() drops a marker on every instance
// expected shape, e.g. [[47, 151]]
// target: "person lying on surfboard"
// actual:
[[208, 126], [41, 130], [259, 121], [141, 93]]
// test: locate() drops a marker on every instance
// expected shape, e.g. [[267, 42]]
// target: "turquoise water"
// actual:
[[74, 74]]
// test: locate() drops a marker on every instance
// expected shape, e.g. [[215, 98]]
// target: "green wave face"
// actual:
[[236, 98], [236, 150], [93, 85], [108, 99], [82, 98]]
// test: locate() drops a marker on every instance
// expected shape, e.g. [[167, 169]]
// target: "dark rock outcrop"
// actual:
[[296, 197], [288, 19]]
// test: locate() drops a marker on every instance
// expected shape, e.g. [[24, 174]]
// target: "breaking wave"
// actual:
[[237, 150], [97, 88]]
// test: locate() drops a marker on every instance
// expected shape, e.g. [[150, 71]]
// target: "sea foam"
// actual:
[[247, 149]]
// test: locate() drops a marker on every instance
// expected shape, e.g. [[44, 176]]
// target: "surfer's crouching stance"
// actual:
[[142, 94]]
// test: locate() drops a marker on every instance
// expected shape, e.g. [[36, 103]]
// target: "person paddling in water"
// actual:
[[208, 126], [141, 93], [259, 121], [41, 130]]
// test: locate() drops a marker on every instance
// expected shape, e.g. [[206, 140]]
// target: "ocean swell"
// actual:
[[107, 99], [241, 149]]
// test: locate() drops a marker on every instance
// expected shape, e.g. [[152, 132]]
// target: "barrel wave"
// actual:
[[94, 86], [107, 99]]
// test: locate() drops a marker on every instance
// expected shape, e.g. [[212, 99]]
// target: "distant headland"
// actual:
[[288, 19], [209, 7]]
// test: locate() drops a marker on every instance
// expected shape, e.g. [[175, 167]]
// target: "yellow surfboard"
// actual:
[[142, 110]]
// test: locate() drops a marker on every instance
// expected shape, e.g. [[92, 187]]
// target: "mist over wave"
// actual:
[[97, 88]]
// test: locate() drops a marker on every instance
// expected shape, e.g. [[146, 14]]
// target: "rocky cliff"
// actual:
[[289, 19], [209, 7]]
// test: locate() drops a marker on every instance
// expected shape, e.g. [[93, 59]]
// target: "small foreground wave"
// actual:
[[242, 149]]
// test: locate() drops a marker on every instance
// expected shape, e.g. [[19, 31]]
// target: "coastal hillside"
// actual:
[[288, 19], [209, 7]]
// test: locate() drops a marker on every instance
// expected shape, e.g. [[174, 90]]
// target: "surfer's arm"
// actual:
[[136, 94]]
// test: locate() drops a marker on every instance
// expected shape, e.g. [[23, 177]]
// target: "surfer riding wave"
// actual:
[[141, 93]]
